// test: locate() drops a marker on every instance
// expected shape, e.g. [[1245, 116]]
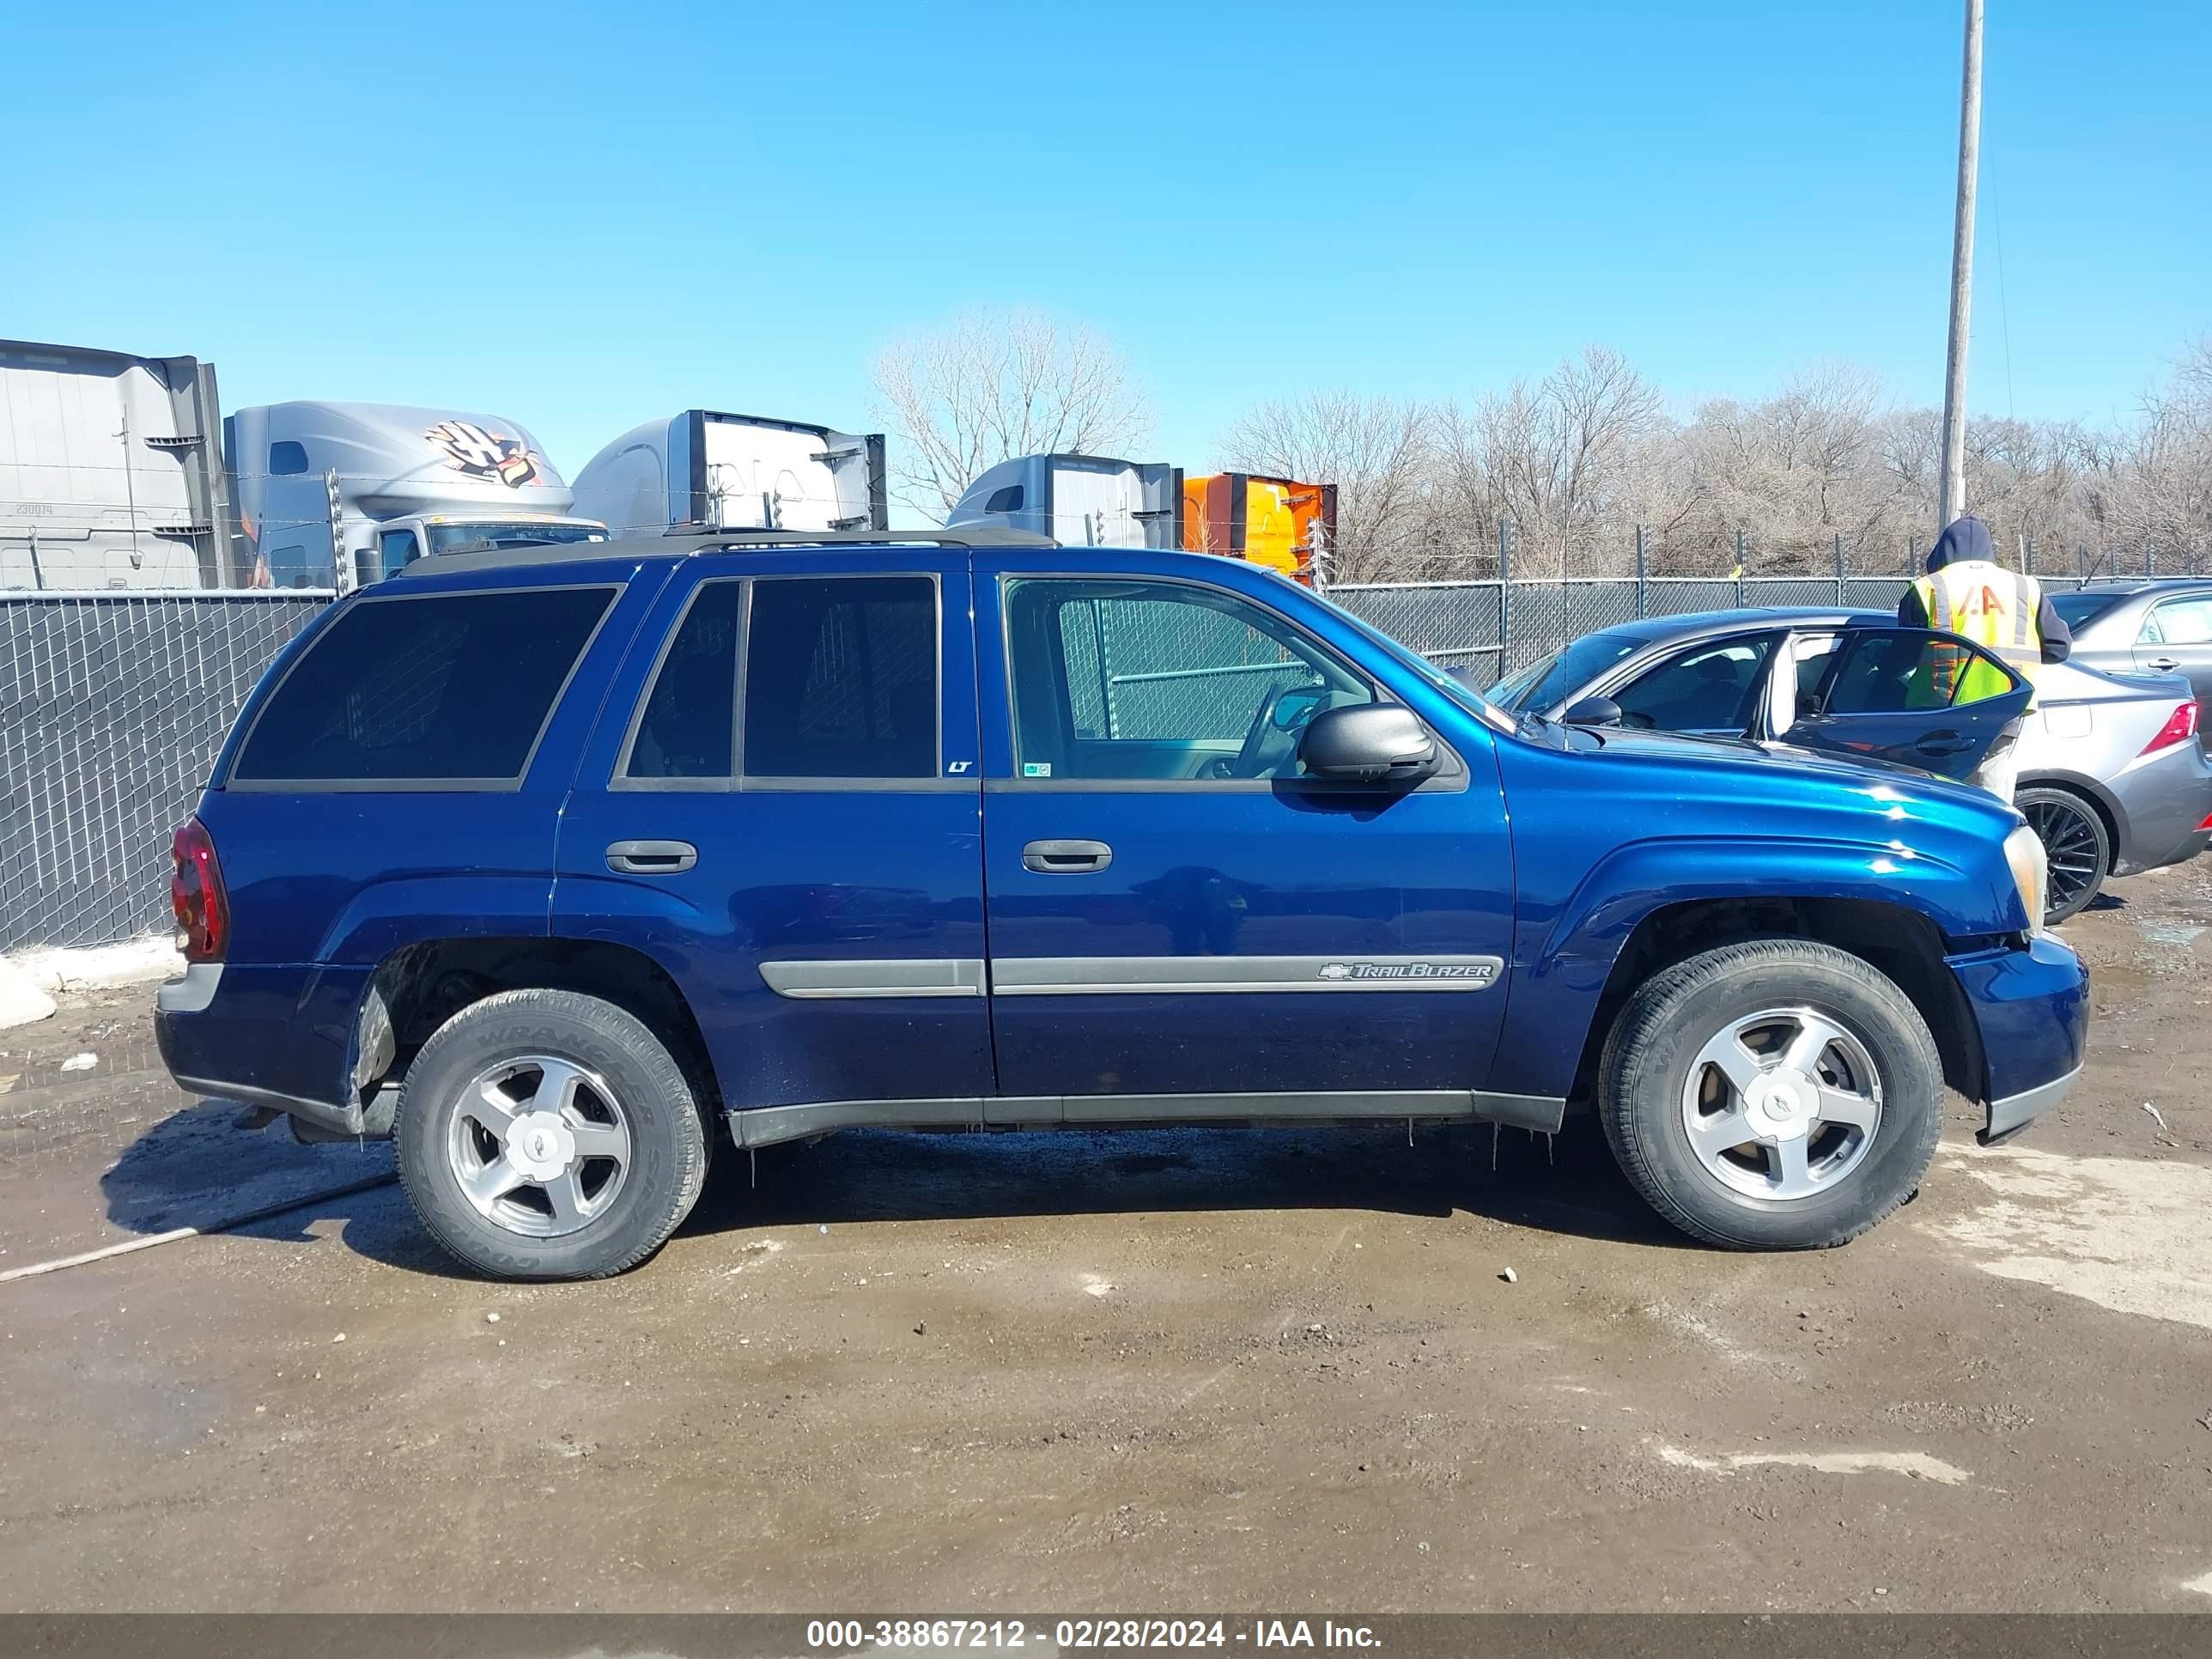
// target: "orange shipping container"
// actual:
[[1277, 522]]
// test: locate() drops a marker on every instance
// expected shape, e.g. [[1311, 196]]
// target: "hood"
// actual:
[[1962, 542], [1741, 751]]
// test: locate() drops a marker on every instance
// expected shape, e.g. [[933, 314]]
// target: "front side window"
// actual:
[[396, 550], [841, 678], [2184, 621], [1161, 681], [446, 687], [1712, 688]]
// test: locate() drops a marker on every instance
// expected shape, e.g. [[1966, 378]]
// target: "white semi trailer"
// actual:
[[1084, 501], [714, 471], [337, 494]]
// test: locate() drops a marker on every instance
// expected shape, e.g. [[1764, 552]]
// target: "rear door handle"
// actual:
[[652, 858], [2165, 665], [1066, 858], [1942, 743]]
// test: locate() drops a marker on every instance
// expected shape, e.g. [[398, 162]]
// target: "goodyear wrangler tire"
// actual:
[[1773, 1095], [545, 1134]]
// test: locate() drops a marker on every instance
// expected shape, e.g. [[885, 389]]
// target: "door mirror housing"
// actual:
[[1368, 743], [1594, 711]]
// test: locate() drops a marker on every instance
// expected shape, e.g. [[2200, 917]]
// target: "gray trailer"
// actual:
[[714, 471], [1083, 500], [333, 494], [109, 474]]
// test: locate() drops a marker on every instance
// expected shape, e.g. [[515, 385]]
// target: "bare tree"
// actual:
[[990, 386], [1578, 461], [1374, 450], [1561, 458]]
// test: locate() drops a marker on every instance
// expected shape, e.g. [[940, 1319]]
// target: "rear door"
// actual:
[[2177, 639], [1905, 694], [781, 808]]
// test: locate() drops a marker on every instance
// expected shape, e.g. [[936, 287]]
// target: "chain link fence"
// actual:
[[1494, 628], [111, 709], [112, 705]]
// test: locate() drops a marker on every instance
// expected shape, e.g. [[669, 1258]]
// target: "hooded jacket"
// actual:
[[1966, 541]]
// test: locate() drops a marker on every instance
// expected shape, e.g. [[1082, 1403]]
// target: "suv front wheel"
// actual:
[[1771, 1094], [544, 1135]]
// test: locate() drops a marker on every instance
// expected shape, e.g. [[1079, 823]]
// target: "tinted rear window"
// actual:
[[841, 678], [2080, 609], [454, 686], [685, 729]]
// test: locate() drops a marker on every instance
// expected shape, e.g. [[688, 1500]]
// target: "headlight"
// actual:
[[2031, 873]]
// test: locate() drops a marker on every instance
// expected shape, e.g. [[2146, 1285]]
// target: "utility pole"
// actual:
[[1951, 499]]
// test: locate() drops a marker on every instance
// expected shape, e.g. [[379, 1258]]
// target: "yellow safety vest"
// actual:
[[1994, 608]]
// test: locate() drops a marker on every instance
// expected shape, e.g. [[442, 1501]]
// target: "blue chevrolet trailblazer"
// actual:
[[557, 864]]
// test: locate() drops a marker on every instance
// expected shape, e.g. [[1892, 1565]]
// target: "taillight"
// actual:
[[196, 895], [2180, 727]]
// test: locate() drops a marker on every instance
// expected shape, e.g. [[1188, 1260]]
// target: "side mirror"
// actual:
[[1594, 711], [1368, 743]]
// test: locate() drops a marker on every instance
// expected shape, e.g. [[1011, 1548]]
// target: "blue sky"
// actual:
[[581, 217]]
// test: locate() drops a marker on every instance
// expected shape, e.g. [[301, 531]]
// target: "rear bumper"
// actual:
[[2032, 1008], [2165, 798], [269, 1036]]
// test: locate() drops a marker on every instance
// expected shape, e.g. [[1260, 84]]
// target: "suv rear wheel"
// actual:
[[544, 1135], [1771, 1094]]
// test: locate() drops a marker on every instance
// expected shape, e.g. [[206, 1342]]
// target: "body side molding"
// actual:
[[766, 1125]]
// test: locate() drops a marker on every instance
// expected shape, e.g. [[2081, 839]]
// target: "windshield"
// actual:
[[481, 537], [2080, 609], [1562, 676], [1460, 693]]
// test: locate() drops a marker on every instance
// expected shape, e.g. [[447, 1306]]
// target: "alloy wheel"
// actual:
[[539, 1146], [1783, 1103], [2070, 844]]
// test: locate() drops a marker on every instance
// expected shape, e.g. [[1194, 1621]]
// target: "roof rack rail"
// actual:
[[681, 541], [966, 536]]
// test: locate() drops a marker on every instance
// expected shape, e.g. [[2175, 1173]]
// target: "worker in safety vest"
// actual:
[[1967, 592]]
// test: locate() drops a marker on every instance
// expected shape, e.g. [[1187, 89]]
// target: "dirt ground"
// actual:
[[1147, 1372]]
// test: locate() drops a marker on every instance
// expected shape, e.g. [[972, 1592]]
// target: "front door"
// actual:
[[780, 809], [1173, 912]]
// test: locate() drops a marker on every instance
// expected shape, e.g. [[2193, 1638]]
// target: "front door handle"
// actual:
[[1066, 858], [2165, 665], [652, 858], [1942, 743]]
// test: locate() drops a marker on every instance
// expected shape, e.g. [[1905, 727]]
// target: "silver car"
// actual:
[[2112, 773], [2159, 625]]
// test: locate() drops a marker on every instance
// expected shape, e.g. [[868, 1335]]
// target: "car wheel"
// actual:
[[2074, 844], [544, 1134], [1773, 1095]]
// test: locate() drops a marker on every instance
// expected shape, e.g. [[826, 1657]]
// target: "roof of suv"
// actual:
[[681, 543]]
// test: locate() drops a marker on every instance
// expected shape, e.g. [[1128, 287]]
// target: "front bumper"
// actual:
[[2031, 1007]]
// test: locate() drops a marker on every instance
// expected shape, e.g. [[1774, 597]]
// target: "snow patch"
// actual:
[[1918, 1466], [2127, 1234], [103, 967]]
